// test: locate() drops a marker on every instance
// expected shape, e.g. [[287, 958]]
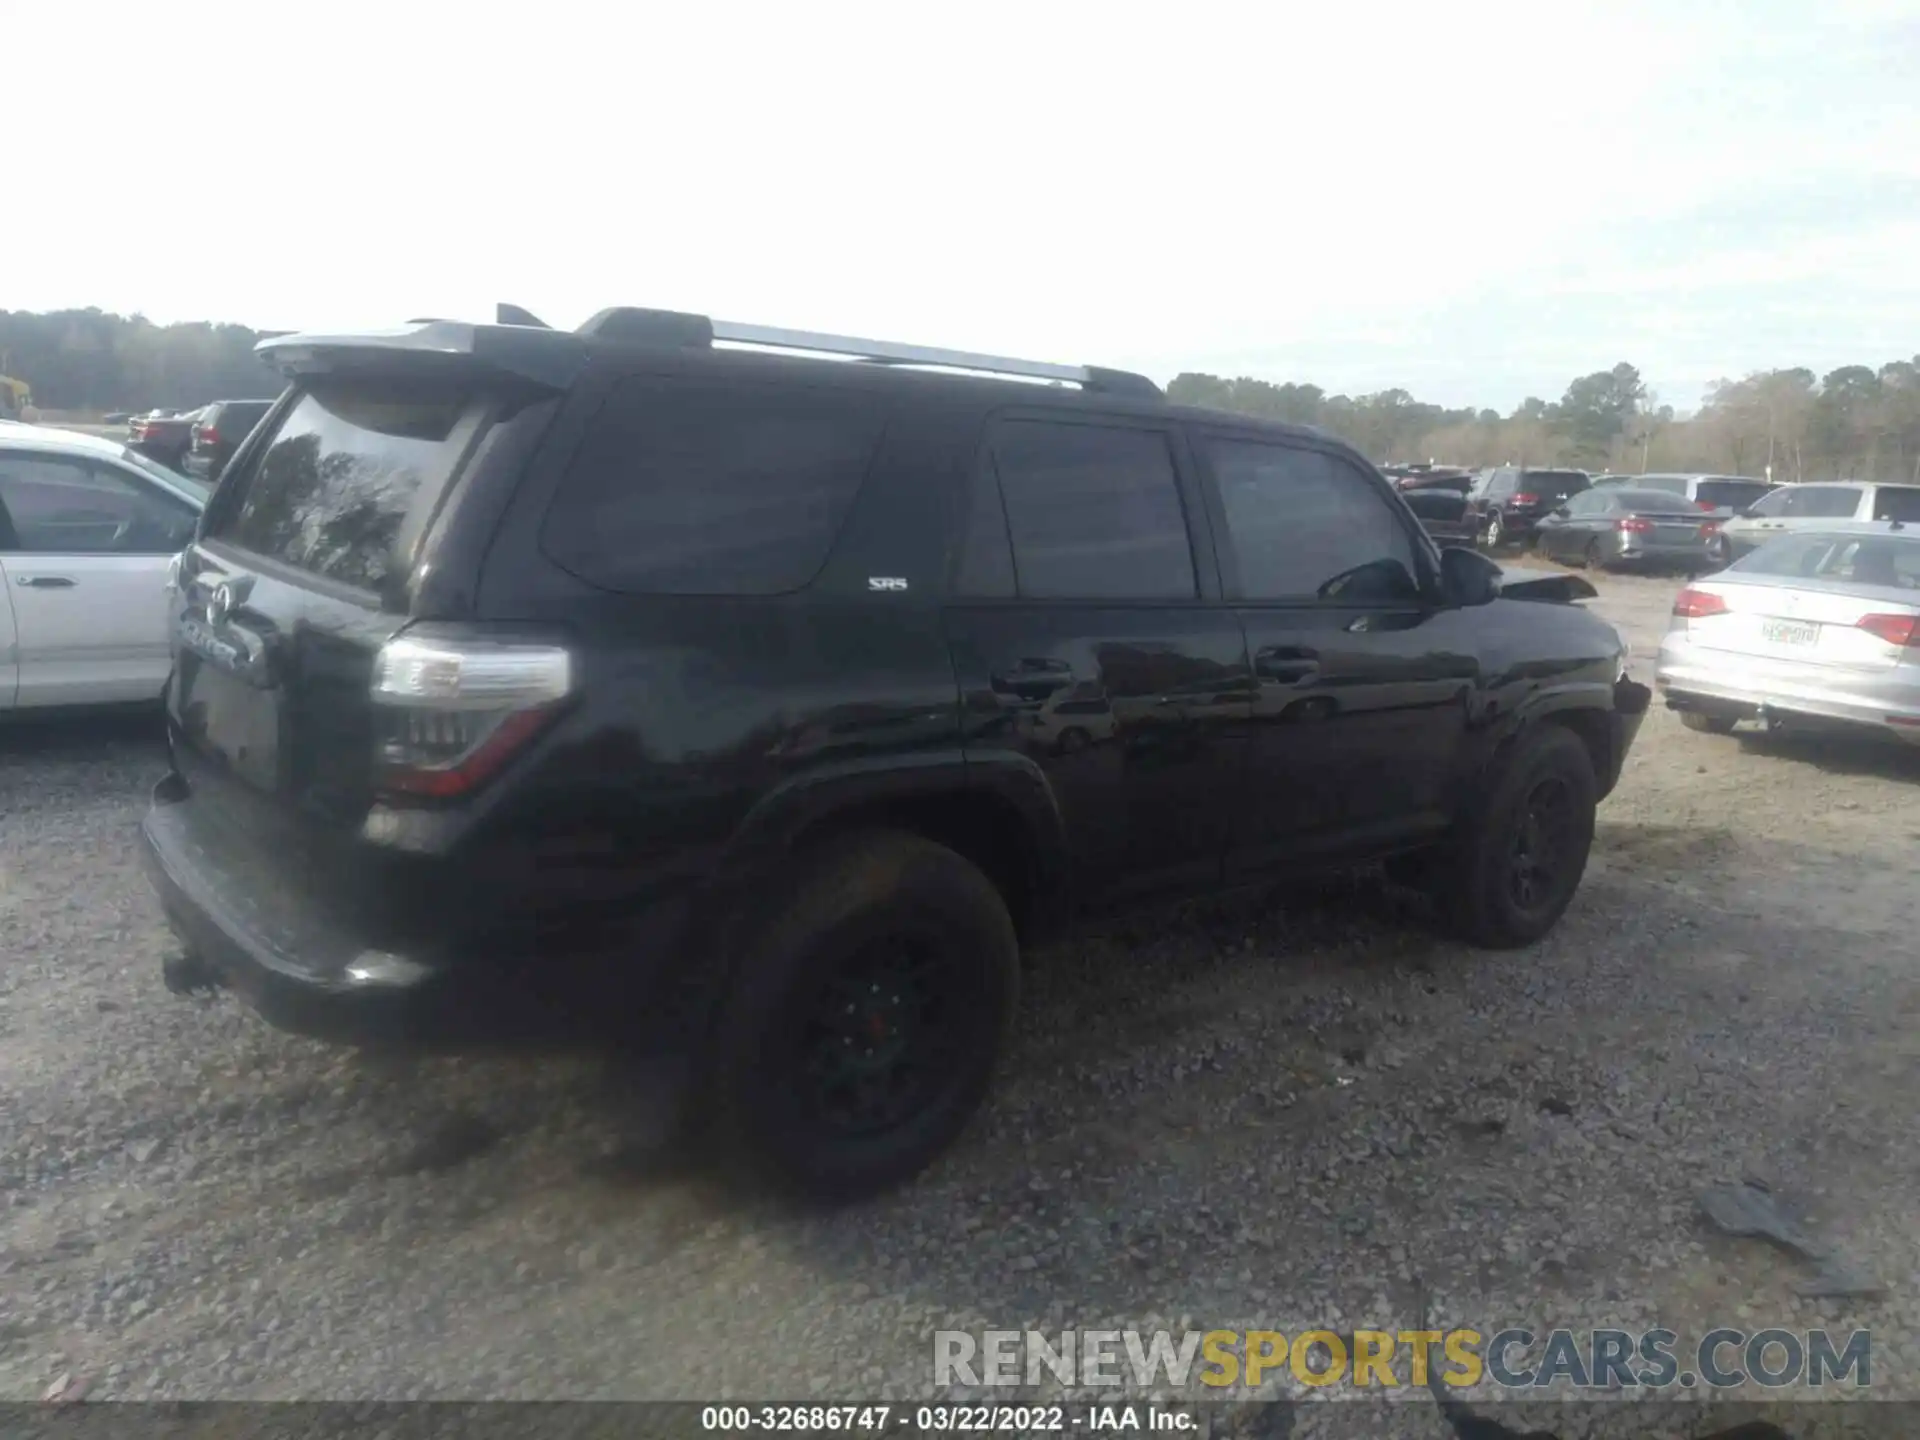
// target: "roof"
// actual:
[[48, 437], [524, 350]]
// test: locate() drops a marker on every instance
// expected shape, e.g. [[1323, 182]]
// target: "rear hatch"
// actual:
[[296, 705], [304, 573]]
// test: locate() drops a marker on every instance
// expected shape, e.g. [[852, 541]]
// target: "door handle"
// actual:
[[46, 582]]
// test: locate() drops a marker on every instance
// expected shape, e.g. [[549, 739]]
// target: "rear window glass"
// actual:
[[1554, 484], [693, 487], [1655, 502], [1872, 560], [1731, 493], [333, 489], [1896, 502]]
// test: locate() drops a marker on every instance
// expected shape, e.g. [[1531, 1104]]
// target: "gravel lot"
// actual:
[[1280, 1113]]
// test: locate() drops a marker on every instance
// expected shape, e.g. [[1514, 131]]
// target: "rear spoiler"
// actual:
[[551, 359]]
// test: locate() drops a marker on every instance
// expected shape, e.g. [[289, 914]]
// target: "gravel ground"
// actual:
[[1279, 1113]]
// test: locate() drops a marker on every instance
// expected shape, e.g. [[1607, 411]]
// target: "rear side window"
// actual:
[[1094, 512], [690, 487], [1553, 484], [331, 492], [1896, 502]]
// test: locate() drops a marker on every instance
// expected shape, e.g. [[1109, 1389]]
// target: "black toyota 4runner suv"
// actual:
[[729, 681]]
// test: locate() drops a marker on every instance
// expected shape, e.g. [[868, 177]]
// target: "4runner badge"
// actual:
[[886, 582]]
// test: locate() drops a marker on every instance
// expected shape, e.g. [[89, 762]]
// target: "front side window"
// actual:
[[1093, 511], [332, 491], [1305, 525], [55, 505]]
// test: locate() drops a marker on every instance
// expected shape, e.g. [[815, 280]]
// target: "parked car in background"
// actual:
[[87, 530], [1723, 495], [1442, 511], [1816, 624], [1616, 526], [217, 434], [1508, 502], [731, 672], [1808, 507], [163, 435]]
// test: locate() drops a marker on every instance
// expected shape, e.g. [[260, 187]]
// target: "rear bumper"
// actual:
[[490, 973], [201, 467], [299, 973], [1693, 678]]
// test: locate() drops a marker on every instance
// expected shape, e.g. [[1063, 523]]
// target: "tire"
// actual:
[[884, 919], [1484, 893], [1494, 534], [1708, 723]]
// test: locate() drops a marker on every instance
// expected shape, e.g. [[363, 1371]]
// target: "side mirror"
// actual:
[[1467, 577]]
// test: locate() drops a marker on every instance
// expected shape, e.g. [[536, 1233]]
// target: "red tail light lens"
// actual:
[[206, 435], [455, 711], [1705, 505], [1525, 497], [1902, 630], [1710, 529], [1634, 525], [1692, 604]]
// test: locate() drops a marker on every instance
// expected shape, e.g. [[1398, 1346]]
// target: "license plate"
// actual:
[[1791, 632]]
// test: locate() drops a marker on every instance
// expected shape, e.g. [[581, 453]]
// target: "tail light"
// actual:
[[1901, 630], [1706, 505], [1692, 604], [205, 435], [454, 711], [1634, 525], [1710, 529], [1524, 497]]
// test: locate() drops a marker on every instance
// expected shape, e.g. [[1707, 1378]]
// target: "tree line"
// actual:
[[1858, 422], [89, 361]]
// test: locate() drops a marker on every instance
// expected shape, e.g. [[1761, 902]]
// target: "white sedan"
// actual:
[[87, 528]]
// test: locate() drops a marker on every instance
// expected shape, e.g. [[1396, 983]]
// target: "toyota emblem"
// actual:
[[220, 604]]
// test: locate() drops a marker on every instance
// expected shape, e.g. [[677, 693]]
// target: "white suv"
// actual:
[[1811, 507]]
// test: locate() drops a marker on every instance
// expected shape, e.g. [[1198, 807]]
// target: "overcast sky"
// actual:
[[1473, 201]]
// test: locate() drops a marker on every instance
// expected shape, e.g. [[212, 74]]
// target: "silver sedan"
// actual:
[[1616, 525], [1817, 624]]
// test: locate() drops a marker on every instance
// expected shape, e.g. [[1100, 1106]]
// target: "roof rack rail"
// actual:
[[634, 325]]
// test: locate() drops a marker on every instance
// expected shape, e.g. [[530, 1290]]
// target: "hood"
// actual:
[[1558, 586]]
